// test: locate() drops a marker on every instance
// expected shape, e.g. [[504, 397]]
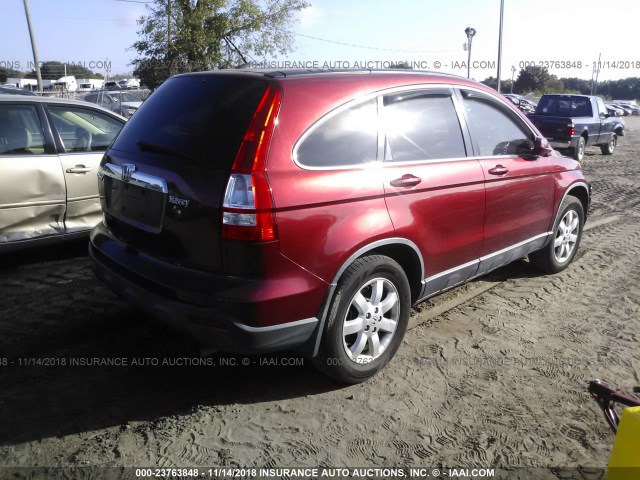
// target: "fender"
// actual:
[[310, 348]]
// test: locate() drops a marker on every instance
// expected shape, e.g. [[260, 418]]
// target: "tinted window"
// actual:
[[20, 130], [84, 130], [495, 131], [422, 127], [346, 138], [201, 118], [564, 106]]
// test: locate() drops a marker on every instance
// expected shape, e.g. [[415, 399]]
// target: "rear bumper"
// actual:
[[562, 144], [220, 315]]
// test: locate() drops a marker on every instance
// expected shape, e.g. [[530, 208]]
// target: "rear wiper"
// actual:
[[152, 147]]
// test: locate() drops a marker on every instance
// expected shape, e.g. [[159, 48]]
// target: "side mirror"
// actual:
[[541, 147]]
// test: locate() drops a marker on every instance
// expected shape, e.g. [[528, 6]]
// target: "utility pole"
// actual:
[[513, 74], [595, 85], [500, 42], [33, 45]]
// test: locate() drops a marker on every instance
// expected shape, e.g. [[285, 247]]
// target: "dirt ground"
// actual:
[[494, 373]]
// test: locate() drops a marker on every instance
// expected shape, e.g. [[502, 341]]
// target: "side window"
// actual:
[[347, 138], [420, 126], [495, 131], [84, 130], [20, 130]]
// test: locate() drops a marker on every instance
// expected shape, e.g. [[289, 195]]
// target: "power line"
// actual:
[[372, 48]]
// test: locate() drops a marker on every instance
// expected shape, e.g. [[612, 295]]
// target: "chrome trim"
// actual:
[[572, 187], [42, 203], [426, 294], [374, 245], [280, 326], [451, 270], [139, 179], [514, 246], [351, 103]]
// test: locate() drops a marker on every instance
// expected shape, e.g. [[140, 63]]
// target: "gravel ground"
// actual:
[[493, 374]]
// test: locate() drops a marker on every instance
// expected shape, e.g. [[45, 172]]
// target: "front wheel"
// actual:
[[367, 319], [609, 147], [562, 248]]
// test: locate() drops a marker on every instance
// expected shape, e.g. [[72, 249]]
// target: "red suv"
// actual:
[[301, 210]]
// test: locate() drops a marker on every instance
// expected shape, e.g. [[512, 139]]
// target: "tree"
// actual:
[[5, 73], [192, 35], [54, 70]]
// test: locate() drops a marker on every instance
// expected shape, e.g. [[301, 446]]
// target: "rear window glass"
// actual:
[[564, 106], [200, 119]]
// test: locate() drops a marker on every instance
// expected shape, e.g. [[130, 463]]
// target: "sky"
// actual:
[[565, 36]]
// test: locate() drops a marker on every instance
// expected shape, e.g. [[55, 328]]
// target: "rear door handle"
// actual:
[[78, 169], [498, 170], [406, 181]]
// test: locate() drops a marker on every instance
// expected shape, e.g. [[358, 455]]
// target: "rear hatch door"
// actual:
[[163, 180]]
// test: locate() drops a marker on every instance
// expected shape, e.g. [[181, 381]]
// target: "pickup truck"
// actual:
[[574, 122]]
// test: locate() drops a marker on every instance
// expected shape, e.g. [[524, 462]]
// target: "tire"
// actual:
[[562, 248], [578, 151], [608, 148], [372, 301]]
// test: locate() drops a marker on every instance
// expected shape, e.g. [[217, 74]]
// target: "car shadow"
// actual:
[[95, 362], [152, 372]]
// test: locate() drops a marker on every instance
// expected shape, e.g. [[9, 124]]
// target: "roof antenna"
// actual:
[[244, 60]]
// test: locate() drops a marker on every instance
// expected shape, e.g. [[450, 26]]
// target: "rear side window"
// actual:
[[198, 119], [421, 127], [493, 130], [20, 130], [349, 137]]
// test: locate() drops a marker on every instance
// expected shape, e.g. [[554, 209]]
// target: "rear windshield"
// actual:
[[564, 106], [200, 119]]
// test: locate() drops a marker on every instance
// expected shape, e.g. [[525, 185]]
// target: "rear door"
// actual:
[[434, 192], [83, 135], [519, 186], [32, 186]]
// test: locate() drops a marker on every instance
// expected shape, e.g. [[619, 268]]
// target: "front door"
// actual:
[[520, 187]]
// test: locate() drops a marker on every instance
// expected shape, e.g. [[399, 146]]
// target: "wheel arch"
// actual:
[[405, 252], [581, 190]]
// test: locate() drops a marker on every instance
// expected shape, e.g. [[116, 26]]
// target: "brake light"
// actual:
[[571, 129], [247, 209]]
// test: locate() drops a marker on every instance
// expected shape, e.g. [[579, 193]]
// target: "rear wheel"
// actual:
[[562, 248], [578, 151], [609, 147], [366, 321]]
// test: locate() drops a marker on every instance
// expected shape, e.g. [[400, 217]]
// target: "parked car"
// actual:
[[49, 155], [266, 211], [522, 103], [626, 110], [573, 122], [16, 91], [123, 103], [613, 110]]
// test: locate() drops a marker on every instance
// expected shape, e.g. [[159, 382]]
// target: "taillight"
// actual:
[[247, 209], [571, 129]]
